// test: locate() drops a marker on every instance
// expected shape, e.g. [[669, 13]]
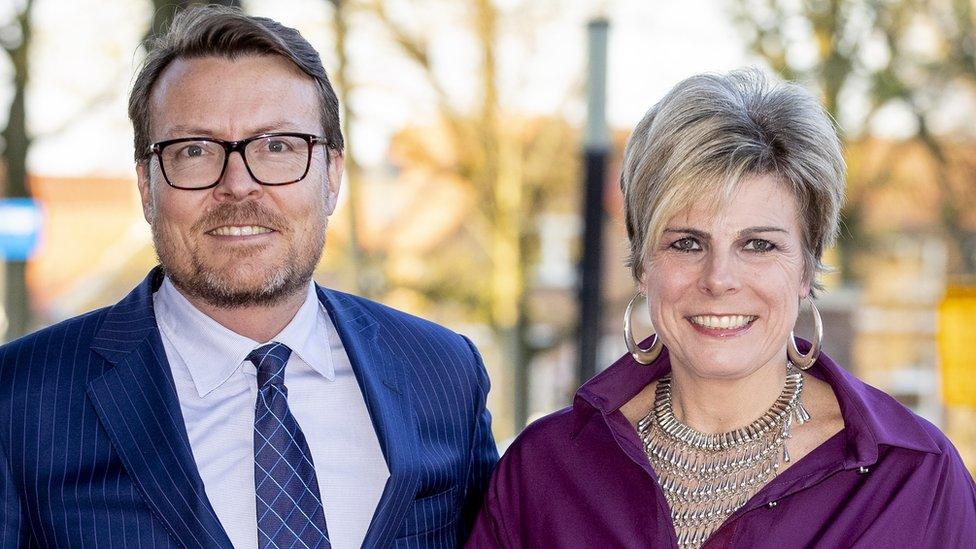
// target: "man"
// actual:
[[228, 400]]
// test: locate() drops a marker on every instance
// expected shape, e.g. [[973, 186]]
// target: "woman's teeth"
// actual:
[[725, 322]]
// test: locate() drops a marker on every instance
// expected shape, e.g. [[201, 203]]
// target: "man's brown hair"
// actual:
[[227, 32]]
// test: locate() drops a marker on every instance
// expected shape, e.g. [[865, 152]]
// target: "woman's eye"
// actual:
[[687, 244], [760, 245]]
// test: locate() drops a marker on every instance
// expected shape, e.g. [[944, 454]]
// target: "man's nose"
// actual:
[[236, 183]]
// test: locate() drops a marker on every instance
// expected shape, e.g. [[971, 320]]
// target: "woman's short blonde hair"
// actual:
[[712, 131]]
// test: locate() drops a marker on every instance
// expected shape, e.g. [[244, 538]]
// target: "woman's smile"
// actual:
[[721, 325]]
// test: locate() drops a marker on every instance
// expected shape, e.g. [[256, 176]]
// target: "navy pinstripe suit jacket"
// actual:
[[94, 452]]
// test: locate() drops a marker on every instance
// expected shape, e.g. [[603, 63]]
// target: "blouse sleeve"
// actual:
[[952, 522], [484, 454], [492, 526], [489, 531]]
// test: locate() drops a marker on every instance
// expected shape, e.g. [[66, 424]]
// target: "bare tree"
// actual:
[[16, 142], [841, 30], [515, 167], [361, 265], [165, 10]]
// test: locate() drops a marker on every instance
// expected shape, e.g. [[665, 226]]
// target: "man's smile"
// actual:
[[240, 230]]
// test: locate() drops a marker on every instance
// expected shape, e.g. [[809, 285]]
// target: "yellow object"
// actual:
[[957, 346]]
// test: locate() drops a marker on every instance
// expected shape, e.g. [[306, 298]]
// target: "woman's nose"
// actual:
[[719, 276]]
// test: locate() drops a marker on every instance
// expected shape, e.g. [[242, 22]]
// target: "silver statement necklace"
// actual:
[[706, 478]]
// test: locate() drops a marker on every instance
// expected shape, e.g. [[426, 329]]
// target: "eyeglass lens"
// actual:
[[272, 160]]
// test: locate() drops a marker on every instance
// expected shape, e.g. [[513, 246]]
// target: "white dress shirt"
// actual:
[[217, 388]]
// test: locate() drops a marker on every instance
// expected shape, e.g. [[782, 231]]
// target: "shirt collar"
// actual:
[[212, 352], [309, 335], [871, 417]]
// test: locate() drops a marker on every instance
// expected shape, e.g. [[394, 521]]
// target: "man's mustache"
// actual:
[[242, 214]]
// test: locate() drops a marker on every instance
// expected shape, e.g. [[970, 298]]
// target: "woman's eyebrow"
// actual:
[[763, 229], [704, 235], [688, 230]]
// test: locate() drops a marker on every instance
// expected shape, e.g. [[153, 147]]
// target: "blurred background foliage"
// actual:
[[464, 121]]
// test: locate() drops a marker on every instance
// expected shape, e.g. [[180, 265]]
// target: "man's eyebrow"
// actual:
[[705, 235], [187, 130]]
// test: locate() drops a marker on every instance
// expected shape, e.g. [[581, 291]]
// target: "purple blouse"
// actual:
[[579, 478]]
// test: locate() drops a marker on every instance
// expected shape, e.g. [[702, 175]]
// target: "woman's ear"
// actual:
[[805, 287]]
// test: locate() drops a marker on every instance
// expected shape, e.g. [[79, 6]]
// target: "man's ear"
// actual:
[[334, 173], [145, 189]]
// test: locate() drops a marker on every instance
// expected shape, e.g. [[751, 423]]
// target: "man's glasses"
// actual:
[[195, 163]]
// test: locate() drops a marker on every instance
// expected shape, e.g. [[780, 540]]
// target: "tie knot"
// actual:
[[270, 361]]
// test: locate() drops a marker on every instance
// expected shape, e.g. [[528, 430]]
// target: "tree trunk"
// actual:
[[362, 271], [502, 173], [16, 143], [165, 10]]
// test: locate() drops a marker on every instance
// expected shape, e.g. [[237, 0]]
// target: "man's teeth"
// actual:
[[725, 322], [240, 231]]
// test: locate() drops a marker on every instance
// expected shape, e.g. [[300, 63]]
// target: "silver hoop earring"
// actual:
[[644, 356], [801, 361]]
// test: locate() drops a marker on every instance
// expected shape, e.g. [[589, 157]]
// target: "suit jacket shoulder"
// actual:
[[92, 447], [47, 357], [437, 394], [413, 335]]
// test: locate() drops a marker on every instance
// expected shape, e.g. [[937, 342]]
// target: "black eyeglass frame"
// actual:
[[232, 146]]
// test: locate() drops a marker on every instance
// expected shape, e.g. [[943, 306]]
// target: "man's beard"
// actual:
[[196, 279]]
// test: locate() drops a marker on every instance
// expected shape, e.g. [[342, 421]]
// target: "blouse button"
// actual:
[[771, 504], [862, 470]]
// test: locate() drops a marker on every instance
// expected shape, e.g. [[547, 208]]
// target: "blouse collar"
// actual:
[[871, 417]]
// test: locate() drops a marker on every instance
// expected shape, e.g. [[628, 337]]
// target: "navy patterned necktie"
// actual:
[[289, 509]]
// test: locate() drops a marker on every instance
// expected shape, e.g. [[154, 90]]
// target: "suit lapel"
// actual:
[[385, 389], [137, 405]]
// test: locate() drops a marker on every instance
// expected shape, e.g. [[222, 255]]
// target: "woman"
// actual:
[[720, 432]]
